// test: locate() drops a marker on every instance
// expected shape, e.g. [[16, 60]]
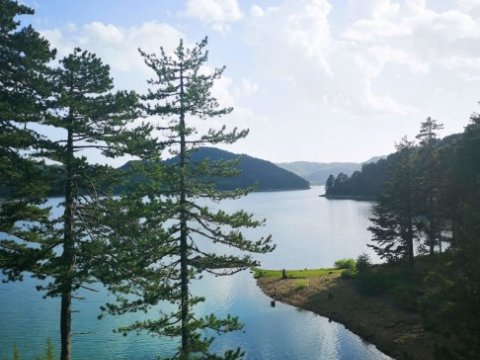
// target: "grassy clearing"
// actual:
[[293, 274]]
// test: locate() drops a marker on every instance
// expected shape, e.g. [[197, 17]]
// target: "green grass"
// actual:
[[293, 274], [302, 284]]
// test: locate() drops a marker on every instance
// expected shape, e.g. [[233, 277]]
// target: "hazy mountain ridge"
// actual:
[[317, 173]]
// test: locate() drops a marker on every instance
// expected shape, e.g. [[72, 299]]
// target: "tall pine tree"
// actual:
[[181, 95], [395, 228], [24, 89], [90, 116], [431, 183]]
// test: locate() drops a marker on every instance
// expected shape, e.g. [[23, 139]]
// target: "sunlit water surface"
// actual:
[[309, 232]]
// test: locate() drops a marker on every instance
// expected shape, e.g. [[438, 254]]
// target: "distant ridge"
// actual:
[[317, 173], [266, 176]]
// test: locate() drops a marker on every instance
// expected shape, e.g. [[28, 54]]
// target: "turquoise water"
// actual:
[[309, 232]]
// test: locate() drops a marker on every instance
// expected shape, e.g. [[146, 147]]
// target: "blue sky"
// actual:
[[316, 80]]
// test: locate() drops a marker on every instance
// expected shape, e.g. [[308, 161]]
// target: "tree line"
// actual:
[[426, 221], [143, 244]]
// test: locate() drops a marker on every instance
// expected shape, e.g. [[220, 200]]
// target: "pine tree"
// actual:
[[329, 184], [431, 183], [23, 93], [181, 95], [92, 117], [395, 228]]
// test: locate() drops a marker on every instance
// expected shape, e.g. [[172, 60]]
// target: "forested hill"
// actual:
[[253, 171], [368, 182], [263, 174]]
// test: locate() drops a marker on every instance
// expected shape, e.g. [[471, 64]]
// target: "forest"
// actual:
[[426, 227]]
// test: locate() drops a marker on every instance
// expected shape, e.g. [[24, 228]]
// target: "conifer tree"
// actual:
[[431, 183], [23, 93], [395, 228], [181, 95], [91, 116], [329, 185]]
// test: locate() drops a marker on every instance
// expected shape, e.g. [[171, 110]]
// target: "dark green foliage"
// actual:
[[363, 263], [23, 95], [161, 225], [366, 183], [345, 264], [431, 184], [348, 273], [92, 117], [445, 196], [329, 184], [394, 216], [398, 281], [451, 305], [62, 250]]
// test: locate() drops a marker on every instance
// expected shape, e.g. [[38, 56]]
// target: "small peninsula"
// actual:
[[396, 332]]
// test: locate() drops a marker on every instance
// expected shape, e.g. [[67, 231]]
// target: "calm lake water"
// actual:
[[309, 231]]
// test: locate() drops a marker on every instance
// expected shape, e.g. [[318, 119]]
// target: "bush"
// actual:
[[348, 273], [345, 264], [372, 282], [301, 284], [363, 263]]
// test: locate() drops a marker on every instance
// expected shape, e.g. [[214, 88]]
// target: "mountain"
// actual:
[[317, 173], [253, 171]]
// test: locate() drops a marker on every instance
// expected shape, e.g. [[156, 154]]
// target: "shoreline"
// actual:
[[350, 197], [394, 331]]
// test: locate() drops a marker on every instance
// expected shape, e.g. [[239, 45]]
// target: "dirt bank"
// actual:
[[394, 331]]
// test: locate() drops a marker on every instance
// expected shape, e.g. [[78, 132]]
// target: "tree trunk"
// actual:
[[183, 230], [68, 256]]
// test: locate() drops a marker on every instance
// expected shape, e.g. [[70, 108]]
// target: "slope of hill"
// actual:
[[265, 175]]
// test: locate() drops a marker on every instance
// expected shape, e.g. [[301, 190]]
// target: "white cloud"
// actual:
[[248, 88], [295, 45], [118, 46], [217, 13], [256, 11]]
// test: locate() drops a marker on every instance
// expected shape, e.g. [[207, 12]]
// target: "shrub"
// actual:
[[348, 273], [345, 264], [372, 282], [301, 284], [363, 263]]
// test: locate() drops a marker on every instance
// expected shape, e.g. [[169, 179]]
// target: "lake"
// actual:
[[309, 231]]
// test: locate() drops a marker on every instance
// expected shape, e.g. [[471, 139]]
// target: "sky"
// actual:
[[313, 80]]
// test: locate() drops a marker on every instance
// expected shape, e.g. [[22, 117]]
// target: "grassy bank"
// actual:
[[368, 309]]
